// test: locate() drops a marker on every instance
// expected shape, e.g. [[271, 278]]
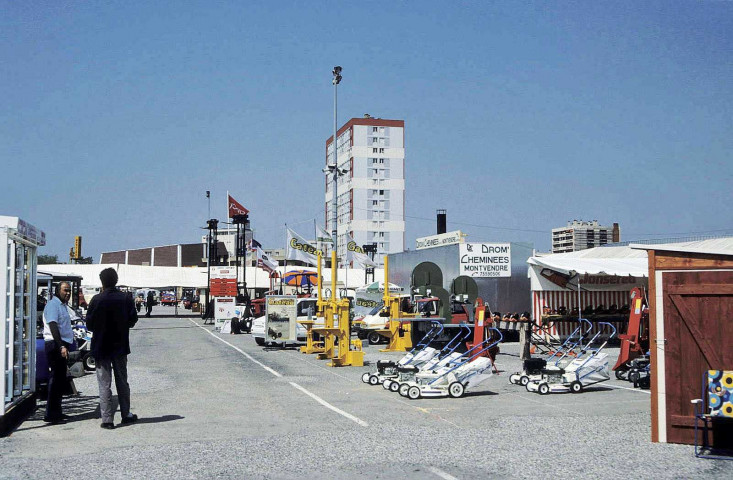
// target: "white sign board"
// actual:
[[226, 273], [450, 238], [281, 319], [224, 309], [485, 260]]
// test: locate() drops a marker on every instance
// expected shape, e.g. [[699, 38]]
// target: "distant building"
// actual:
[[179, 255], [228, 236], [579, 235], [371, 196]]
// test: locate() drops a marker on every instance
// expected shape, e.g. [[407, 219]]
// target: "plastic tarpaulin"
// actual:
[[620, 261]]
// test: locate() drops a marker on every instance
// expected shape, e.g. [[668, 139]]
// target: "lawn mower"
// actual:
[[444, 357], [419, 355], [454, 379], [589, 367], [532, 367]]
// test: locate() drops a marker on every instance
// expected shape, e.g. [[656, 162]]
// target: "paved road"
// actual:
[[216, 405]]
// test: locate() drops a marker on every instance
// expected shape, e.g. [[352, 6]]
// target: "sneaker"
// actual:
[[131, 419], [108, 425]]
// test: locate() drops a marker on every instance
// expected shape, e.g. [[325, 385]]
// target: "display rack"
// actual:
[[18, 294]]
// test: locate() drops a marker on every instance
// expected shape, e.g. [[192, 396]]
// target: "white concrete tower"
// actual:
[[371, 196]]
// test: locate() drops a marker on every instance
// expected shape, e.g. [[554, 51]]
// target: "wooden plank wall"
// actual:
[[661, 261]]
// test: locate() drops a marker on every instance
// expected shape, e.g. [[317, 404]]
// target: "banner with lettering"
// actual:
[[299, 249], [264, 262], [355, 253], [485, 259], [235, 208]]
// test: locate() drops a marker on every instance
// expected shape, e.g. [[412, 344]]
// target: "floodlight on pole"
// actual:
[[333, 168]]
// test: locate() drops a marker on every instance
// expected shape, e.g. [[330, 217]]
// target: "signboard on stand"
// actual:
[[224, 309], [485, 259], [281, 318], [223, 282]]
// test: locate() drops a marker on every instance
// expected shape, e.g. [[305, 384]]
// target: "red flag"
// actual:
[[236, 208]]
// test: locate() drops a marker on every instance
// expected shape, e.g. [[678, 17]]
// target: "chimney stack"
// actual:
[[441, 221], [616, 235]]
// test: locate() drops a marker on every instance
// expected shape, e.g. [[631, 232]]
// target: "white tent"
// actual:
[[136, 275], [620, 261], [586, 278], [189, 277]]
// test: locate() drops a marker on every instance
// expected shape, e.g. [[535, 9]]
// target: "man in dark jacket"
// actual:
[[110, 316], [149, 302]]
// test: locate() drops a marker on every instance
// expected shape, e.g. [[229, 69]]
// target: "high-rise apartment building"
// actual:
[[579, 235], [371, 195]]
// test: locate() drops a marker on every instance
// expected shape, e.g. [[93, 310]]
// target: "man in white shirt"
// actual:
[[58, 337]]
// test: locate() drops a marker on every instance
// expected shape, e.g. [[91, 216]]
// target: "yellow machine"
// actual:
[[311, 345], [347, 352], [398, 330]]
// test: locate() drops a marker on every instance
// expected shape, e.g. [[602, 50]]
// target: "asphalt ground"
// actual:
[[219, 406]]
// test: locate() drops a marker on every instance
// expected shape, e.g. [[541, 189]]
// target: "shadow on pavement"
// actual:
[[161, 419], [162, 328]]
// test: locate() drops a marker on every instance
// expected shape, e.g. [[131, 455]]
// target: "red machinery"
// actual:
[[635, 342]]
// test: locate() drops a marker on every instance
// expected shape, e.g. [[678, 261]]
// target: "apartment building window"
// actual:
[[381, 150], [375, 129], [381, 160], [375, 150], [381, 192], [375, 202]]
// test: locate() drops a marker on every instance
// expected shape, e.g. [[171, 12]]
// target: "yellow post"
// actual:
[[328, 332], [349, 353], [311, 345]]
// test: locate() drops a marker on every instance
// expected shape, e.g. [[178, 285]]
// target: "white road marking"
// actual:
[[627, 388], [329, 406], [250, 357], [423, 410], [442, 474], [295, 385]]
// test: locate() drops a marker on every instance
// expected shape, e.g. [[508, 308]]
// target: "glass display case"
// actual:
[[18, 244]]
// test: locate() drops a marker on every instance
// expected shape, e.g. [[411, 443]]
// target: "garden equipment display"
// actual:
[[636, 339], [532, 368], [455, 378], [589, 367], [416, 357], [446, 355]]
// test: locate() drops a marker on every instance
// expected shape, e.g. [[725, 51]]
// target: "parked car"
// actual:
[[168, 298]]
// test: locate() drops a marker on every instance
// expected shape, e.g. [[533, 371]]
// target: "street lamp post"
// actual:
[[335, 170]]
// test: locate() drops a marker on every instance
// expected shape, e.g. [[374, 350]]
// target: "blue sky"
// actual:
[[118, 116]]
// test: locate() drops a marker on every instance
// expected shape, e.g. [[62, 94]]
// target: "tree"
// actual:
[[48, 259], [85, 260]]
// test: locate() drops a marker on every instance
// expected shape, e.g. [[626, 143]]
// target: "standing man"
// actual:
[[58, 337], [149, 302], [110, 316]]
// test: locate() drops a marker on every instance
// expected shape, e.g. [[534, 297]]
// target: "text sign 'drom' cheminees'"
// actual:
[[485, 259]]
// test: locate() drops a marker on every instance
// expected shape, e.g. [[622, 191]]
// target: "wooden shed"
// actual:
[[691, 328]]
